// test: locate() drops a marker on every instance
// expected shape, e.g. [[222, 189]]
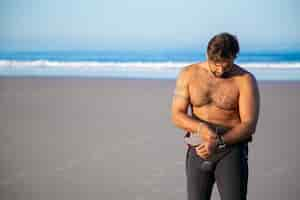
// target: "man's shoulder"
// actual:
[[244, 76], [190, 70], [242, 73], [186, 72]]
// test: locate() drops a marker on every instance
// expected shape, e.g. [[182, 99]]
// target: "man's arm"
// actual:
[[249, 103], [180, 103]]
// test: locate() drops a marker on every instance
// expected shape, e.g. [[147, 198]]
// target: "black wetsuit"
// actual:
[[230, 172]]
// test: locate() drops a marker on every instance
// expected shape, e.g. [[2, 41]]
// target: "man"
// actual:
[[224, 100]]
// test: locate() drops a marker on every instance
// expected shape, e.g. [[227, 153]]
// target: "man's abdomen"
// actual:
[[213, 114]]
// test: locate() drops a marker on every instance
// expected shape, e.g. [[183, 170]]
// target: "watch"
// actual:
[[220, 142]]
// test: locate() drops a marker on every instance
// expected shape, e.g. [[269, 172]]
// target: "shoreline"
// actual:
[[130, 78]]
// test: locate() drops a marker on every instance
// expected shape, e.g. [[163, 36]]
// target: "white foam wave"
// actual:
[[128, 65], [89, 64], [277, 65]]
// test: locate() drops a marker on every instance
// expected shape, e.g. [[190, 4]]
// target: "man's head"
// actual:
[[222, 49]]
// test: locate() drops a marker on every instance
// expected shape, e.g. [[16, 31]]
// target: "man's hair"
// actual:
[[222, 46]]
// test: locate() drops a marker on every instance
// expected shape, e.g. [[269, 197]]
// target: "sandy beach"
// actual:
[[96, 138]]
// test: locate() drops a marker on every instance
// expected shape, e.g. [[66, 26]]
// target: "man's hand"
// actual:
[[209, 145], [205, 149]]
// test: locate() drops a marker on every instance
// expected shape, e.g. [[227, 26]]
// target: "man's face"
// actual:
[[221, 68]]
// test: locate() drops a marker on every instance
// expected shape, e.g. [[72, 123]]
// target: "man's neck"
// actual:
[[213, 76]]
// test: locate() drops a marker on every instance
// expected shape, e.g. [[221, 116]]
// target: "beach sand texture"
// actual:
[[93, 138]]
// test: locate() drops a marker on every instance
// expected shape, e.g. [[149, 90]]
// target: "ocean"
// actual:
[[162, 64]]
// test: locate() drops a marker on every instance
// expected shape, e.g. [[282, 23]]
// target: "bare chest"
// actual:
[[223, 94]]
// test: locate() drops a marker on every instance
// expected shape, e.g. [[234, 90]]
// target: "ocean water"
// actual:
[[282, 66]]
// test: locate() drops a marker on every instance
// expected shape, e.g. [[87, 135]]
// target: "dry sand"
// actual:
[[84, 138]]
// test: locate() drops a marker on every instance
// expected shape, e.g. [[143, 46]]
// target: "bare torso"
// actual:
[[215, 99]]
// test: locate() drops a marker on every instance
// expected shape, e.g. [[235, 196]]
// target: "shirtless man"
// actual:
[[222, 96]]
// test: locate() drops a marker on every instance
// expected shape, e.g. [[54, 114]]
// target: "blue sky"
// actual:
[[35, 25]]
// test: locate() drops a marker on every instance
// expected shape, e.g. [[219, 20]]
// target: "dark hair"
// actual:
[[222, 46]]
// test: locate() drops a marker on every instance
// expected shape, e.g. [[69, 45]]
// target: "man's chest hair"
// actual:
[[222, 93]]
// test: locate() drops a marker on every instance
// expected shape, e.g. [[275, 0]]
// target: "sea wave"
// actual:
[[134, 65]]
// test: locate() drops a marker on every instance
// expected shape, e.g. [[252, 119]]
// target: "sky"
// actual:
[[42, 25]]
